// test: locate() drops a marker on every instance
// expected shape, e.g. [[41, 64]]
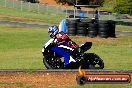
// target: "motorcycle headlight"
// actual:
[[42, 50]]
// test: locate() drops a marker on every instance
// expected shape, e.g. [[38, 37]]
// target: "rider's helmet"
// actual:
[[53, 30]]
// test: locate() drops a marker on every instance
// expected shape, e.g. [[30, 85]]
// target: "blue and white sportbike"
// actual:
[[78, 57]]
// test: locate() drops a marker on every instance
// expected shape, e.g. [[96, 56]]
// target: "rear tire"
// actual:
[[95, 61]]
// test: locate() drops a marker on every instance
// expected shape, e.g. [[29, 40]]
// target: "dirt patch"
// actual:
[[88, 39], [41, 79], [38, 80], [53, 3]]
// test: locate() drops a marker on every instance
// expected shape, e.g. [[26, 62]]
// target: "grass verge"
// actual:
[[20, 47], [15, 85], [10, 14], [124, 28], [103, 86]]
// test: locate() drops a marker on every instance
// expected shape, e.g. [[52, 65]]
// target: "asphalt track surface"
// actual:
[[63, 70], [46, 26], [24, 24]]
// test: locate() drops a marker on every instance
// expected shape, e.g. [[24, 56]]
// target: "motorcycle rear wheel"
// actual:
[[95, 62]]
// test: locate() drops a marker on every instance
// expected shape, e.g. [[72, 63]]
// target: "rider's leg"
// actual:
[[61, 52]]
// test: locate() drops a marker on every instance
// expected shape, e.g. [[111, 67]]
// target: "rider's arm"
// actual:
[[61, 38], [72, 44]]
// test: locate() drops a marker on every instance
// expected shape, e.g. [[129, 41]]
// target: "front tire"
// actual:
[[52, 62]]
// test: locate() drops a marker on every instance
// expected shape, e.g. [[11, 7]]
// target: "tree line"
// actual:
[[81, 2], [123, 7], [120, 6]]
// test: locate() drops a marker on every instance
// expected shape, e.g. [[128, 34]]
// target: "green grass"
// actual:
[[16, 84], [116, 54], [103, 86], [20, 48], [123, 28], [16, 15]]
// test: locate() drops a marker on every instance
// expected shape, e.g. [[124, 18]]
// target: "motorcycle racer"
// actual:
[[61, 39]]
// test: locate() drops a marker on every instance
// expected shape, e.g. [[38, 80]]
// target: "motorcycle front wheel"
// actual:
[[52, 62]]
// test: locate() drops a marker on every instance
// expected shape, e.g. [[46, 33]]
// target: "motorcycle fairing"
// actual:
[[66, 47]]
